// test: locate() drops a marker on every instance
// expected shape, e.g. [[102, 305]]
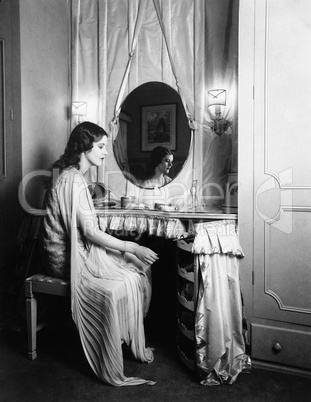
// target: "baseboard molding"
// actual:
[[281, 369]]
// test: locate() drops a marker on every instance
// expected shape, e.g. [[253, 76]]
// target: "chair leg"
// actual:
[[31, 308]]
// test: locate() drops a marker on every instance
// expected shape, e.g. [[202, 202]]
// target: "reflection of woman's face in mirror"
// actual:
[[159, 166], [165, 166]]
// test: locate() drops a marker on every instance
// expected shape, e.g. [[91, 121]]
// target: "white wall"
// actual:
[[44, 81]]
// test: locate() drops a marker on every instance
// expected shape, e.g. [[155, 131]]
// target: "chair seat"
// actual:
[[48, 279], [41, 283]]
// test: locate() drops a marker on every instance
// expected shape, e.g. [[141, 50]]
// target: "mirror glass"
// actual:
[[152, 116]]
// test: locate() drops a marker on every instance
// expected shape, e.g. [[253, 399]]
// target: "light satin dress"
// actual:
[[110, 292]]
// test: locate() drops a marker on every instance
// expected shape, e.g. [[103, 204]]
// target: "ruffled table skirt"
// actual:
[[161, 226], [219, 338]]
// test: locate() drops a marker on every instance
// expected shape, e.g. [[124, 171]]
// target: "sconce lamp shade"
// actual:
[[217, 97], [79, 108]]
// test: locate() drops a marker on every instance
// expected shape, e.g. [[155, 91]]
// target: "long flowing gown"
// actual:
[[110, 292]]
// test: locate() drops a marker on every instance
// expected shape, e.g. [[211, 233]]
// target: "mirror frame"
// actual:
[[132, 108]]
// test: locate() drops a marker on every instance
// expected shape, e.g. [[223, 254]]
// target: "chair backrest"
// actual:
[[30, 261], [34, 194]]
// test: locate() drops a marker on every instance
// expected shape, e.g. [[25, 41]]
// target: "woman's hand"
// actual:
[[145, 255]]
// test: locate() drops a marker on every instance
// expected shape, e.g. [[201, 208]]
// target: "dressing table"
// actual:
[[199, 239]]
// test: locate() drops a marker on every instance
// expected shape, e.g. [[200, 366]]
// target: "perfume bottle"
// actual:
[[194, 195]]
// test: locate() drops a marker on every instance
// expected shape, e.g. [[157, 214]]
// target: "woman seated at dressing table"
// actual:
[[159, 166], [110, 278]]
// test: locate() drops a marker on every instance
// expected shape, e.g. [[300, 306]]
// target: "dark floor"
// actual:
[[61, 373]]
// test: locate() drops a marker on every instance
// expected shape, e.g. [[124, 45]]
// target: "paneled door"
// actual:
[[10, 143], [280, 184]]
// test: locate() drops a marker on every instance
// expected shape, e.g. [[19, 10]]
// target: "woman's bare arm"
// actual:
[[87, 222]]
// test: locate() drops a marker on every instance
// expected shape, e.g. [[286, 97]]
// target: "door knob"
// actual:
[[277, 348]]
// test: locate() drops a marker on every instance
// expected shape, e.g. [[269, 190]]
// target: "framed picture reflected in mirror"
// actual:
[[158, 127]]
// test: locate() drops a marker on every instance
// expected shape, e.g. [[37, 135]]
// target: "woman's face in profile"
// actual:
[[166, 164]]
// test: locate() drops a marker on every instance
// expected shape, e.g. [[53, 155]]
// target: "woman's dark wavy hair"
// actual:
[[157, 154], [81, 140]]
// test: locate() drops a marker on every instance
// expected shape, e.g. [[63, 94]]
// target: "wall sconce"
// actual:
[[79, 108], [217, 98]]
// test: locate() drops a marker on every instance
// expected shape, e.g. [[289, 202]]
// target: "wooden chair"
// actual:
[[43, 284], [37, 283]]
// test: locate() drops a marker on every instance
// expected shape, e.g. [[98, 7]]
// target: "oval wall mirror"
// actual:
[[152, 116]]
